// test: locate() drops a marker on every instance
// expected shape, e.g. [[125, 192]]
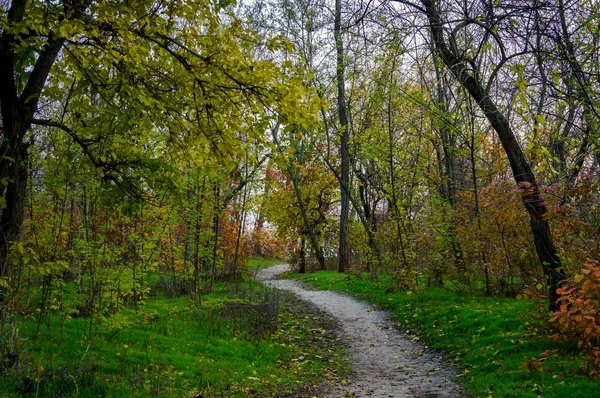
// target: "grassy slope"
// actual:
[[497, 344], [173, 348]]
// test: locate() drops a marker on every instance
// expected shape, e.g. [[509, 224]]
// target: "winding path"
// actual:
[[385, 363]]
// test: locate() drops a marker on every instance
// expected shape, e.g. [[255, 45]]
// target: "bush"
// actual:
[[578, 318]]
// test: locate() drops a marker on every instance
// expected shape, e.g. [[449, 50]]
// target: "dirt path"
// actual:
[[385, 363]]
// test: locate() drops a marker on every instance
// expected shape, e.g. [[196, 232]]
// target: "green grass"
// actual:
[[255, 264], [225, 346], [496, 343]]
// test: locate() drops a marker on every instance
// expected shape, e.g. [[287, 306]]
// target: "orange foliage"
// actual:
[[497, 241], [236, 249], [265, 244], [573, 214], [578, 318]]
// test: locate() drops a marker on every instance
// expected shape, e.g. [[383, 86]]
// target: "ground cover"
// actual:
[[242, 340], [501, 346]]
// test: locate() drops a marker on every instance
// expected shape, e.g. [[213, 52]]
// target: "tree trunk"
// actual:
[[522, 172], [371, 224], [358, 208], [312, 236], [17, 113], [216, 226], [302, 269], [397, 219], [14, 170], [449, 170], [343, 252], [242, 221]]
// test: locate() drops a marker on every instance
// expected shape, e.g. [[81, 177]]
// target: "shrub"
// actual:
[[578, 318]]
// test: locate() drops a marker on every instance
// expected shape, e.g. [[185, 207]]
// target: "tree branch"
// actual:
[[81, 142]]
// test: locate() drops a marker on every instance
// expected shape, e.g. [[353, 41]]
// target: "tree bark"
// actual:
[[18, 110], [310, 231], [449, 169], [302, 269], [343, 252]]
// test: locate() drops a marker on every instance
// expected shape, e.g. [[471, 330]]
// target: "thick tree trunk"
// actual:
[[13, 164], [359, 212], [343, 252], [522, 172], [17, 113]]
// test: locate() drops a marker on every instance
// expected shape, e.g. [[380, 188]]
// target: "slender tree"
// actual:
[[344, 249], [456, 62]]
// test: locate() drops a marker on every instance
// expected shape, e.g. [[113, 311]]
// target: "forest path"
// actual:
[[385, 362]]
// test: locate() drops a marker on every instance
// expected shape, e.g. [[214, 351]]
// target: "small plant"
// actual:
[[578, 318]]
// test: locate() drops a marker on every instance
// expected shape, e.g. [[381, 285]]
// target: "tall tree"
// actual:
[[344, 249], [149, 78], [21, 85], [456, 61]]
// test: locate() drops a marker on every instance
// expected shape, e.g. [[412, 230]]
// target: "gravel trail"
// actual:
[[385, 362]]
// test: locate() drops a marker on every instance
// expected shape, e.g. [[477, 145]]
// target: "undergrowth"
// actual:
[[236, 342], [501, 347]]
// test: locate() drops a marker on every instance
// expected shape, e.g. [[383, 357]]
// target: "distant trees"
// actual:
[[424, 82], [478, 42]]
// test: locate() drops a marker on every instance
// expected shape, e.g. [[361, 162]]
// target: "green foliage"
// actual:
[[500, 346], [316, 186], [145, 105]]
